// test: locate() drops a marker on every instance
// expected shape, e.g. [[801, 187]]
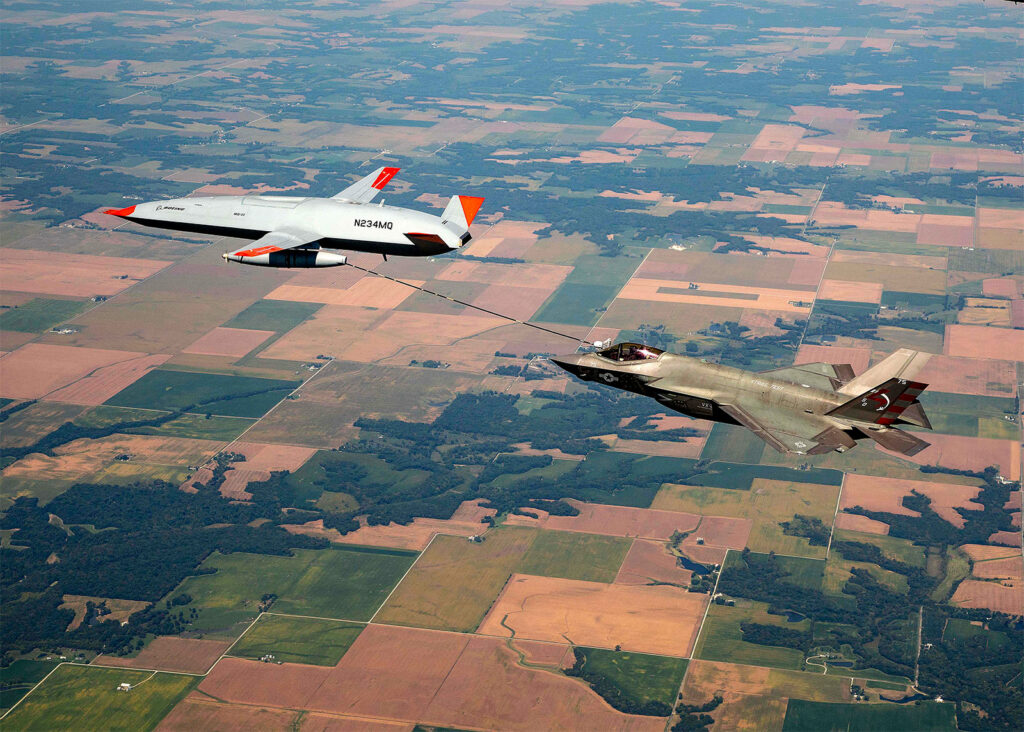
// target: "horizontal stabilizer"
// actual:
[[883, 404], [898, 441]]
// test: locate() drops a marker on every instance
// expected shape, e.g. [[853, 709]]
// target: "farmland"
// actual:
[[805, 716], [722, 640], [297, 640], [574, 556]]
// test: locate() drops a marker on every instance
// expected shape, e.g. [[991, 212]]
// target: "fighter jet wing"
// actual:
[[785, 431], [826, 376], [275, 241], [365, 190]]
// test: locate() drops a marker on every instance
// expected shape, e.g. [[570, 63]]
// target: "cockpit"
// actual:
[[623, 352]]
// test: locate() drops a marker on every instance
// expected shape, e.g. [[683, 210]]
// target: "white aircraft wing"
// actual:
[[276, 241], [365, 190]]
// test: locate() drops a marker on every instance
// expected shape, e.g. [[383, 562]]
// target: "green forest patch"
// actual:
[[194, 426], [571, 555], [343, 583], [40, 314], [902, 550], [231, 396], [298, 640], [276, 315], [808, 716], [84, 697], [455, 581], [721, 638], [635, 683]]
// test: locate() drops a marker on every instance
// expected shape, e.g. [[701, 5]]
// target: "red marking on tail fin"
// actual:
[[384, 178], [470, 206], [120, 211]]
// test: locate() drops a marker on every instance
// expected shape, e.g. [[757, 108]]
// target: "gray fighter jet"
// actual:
[[807, 409]]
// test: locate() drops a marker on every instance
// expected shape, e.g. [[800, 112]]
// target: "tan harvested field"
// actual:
[[704, 679], [415, 535], [648, 562], [899, 279], [737, 296], [750, 713], [1008, 538], [1009, 568], [235, 342], [984, 377], [1009, 287], [339, 723], [454, 582], [369, 292], [120, 610], [200, 712], [959, 234], [82, 458], [77, 275], [689, 447], [915, 261], [11, 339], [989, 238], [331, 329], [1006, 596], [240, 681], [850, 291], [982, 552], [648, 619], [858, 358], [37, 370], [886, 494], [720, 531], [516, 302], [531, 276], [978, 341], [854, 522], [260, 461], [984, 311], [597, 518], [971, 453], [26, 426], [401, 330], [171, 653], [543, 653], [706, 554], [1002, 218]]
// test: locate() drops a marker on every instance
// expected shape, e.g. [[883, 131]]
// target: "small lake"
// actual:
[[693, 566]]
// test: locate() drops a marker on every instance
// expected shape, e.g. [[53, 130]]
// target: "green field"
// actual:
[[767, 503], [807, 716], [638, 479], [590, 287], [40, 314], [739, 476], [575, 556], [722, 640], [17, 679], [276, 315], [640, 677], [902, 550], [837, 572], [970, 415], [83, 697], [732, 444], [455, 581], [231, 396], [298, 640], [194, 426], [344, 583]]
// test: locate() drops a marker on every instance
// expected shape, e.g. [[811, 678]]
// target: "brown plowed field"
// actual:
[[540, 276], [516, 302], [984, 377], [886, 494], [688, 448], [718, 295], [970, 453], [888, 259], [544, 654], [120, 610], [648, 562], [981, 552], [1004, 597], [333, 723], [853, 522], [369, 292], [198, 712], [36, 369], [234, 342], [645, 523], [720, 531], [76, 275], [870, 292], [1009, 538], [487, 689], [706, 554], [106, 381], [393, 335], [1009, 568], [240, 681], [337, 325], [171, 653], [657, 619], [979, 341]]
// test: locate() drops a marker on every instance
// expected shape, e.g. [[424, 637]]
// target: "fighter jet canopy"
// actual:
[[630, 352]]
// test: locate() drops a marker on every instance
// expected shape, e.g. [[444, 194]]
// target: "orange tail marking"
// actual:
[[470, 206]]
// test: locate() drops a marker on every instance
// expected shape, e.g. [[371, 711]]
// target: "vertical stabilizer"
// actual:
[[460, 212], [902, 364]]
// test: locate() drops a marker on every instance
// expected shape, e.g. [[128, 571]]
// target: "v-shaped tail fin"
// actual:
[[885, 403]]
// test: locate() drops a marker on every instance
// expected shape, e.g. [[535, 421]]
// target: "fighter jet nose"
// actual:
[[569, 363]]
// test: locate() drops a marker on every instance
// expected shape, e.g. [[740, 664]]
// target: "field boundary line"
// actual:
[[38, 684], [399, 583], [315, 617], [835, 517], [233, 644]]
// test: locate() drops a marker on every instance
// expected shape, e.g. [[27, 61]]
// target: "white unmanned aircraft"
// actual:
[[288, 231]]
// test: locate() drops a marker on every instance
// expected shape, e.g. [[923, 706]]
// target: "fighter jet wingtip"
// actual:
[[120, 211]]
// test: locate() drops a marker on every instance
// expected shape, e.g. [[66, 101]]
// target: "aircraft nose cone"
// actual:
[[569, 363]]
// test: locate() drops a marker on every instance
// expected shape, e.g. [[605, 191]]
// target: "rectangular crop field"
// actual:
[[740, 476], [18, 679], [232, 396], [805, 716], [722, 640], [455, 581], [768, 503], [641, 677], [573, 555], [40, 314], [277, 315], [298, 640], [83, 697], [194, 426]]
